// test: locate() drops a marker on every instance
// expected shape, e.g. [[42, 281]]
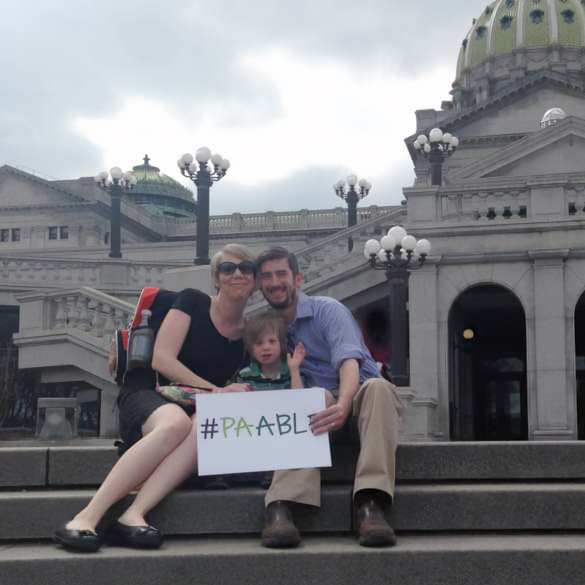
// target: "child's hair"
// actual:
[[259, 325]]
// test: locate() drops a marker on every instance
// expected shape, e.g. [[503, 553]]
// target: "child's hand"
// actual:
[[295, 359]]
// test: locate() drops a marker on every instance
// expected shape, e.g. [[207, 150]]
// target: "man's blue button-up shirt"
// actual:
[[330, 335]]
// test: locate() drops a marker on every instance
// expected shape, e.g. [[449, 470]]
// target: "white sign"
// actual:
[[259, 431]]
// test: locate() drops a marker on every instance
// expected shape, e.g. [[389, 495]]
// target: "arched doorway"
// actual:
[[580, 364], [487, 378]]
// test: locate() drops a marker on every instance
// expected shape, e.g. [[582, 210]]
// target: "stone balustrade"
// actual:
[[50, 273], [272, 221], [485, 206], [83, 309]]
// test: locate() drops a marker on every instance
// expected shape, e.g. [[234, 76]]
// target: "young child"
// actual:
[[272, 368]]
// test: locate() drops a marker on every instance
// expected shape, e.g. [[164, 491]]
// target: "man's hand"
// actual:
[[330, 419]]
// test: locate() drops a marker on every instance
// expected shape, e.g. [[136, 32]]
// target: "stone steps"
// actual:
[[507, 513], [87, 463], [420, 559], [418, 508]]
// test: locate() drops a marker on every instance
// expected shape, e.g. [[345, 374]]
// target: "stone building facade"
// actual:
[[497, 314]]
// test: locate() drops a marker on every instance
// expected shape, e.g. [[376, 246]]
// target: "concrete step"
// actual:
[[442, 507], [59, 464], [333, 560]]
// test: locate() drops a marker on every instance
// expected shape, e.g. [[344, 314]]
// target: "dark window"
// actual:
[[481, 30], [53, 233], [16, 234], [509, 3], [63, 232], [488, 10], [537, 16], [506, 21], [107, 238], [569, 16], [464, 43], [5, 235]]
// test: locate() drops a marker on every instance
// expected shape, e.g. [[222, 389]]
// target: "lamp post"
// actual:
[[119, 184], [199, 172], [398, 254], [437, 146], [352, 195]]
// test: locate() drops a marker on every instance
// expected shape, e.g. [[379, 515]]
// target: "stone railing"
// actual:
[[328, 254], [41, 272], [82, 309], [273, 221], [485, 206]]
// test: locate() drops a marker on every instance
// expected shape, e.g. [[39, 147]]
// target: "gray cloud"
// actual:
[[83, 58]]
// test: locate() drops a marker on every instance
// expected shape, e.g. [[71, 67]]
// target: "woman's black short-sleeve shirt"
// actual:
[[205, 351]]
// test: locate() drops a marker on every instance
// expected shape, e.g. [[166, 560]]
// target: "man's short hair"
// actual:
[[268, 322], [278, 253]]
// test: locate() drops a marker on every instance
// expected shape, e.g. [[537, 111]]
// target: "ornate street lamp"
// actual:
[[436, 147], [203, 177], [397, 254], [119, 184], [352, 195]]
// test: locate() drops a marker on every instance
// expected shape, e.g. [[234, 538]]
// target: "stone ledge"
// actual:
[[417, 559], [23, 466]]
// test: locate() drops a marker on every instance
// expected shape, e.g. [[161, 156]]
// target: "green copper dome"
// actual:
[[506, 26], [161, 194]]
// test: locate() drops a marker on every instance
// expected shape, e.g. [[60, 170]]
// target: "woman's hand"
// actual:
[[235, 387], [295, 359]]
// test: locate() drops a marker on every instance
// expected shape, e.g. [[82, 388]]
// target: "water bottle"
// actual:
[[141, 344]]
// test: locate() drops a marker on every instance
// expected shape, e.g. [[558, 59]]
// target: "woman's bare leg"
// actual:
[[171, 472], [165, 429]]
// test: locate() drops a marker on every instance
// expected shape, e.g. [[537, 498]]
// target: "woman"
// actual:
[[198, 344]]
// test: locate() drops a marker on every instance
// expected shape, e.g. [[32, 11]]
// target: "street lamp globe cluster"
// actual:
[[396, 249], [398, 253], [116, 186], [437, 146], [198, 170], [352, 195]]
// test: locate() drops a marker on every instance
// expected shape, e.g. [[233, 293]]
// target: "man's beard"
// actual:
[[288, 301]]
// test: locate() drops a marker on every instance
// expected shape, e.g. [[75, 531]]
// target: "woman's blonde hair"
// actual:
[[238, 250]]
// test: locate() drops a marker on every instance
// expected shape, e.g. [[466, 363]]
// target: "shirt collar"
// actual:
[[256, 370], [304, 306]]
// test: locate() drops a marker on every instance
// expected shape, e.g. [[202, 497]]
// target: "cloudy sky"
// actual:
[[295, 93]]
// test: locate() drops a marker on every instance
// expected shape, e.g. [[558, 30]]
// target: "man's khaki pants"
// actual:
[[378, 408]]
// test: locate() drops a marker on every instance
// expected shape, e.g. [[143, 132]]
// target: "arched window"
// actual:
[[568, 15], [481, 30]]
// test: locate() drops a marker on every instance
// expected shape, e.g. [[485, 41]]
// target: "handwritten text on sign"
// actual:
[[259, 431]]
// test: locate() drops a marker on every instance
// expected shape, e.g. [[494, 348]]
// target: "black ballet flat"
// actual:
[[119, 534], [77, 540]]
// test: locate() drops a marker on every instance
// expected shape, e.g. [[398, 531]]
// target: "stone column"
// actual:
[[421, 415], [548, 405]]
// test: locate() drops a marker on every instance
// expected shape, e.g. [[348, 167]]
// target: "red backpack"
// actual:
[[158, 301]]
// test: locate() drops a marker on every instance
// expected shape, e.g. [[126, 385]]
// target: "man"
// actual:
[[337, 360]]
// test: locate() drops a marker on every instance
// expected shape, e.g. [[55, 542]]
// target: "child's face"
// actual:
[[267, 348]]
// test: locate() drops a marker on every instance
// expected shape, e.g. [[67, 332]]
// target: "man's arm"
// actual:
[[334, 417]]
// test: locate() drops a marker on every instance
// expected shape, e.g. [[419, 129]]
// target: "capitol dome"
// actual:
[[161, 194], [514, 38]]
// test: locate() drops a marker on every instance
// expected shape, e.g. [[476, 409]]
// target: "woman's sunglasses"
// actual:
[[228, 268]]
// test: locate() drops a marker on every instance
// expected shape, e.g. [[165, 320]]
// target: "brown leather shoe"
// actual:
[[279, 529], [370, 524]]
